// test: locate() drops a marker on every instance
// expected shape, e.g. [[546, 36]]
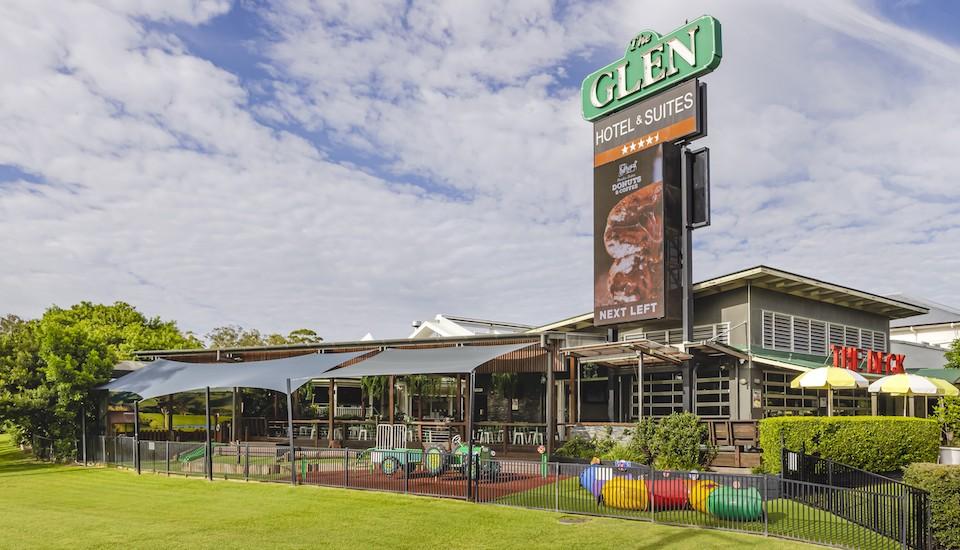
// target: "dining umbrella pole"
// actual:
[[830, 402]]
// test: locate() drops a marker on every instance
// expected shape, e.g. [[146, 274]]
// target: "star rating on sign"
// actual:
[[640, 144]]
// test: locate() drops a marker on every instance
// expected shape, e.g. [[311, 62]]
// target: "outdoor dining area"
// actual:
[[461, 401], [902, 387]]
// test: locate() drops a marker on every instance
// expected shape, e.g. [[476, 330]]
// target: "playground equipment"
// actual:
[[626, 494], [595, 477], [699, 493], [617, 489], [736, 504], [669, 494], [391, 456], [483, 466]]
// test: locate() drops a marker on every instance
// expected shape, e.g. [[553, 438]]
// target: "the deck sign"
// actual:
[[652, 63], [636, 176]]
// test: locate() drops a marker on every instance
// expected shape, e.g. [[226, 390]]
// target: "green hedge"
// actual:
[[873, 443], [943, 483]]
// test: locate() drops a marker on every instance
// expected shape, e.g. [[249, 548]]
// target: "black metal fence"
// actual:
[[798, 509], [878, 503]]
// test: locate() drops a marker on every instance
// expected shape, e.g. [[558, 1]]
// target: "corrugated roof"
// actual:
[[780, 281], [938, 313]]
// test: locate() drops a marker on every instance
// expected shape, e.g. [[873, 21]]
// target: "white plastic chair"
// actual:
[[517, 437]]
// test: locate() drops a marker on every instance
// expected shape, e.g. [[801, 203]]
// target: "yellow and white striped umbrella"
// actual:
[[946, 388], [829, 378], [904, 384]]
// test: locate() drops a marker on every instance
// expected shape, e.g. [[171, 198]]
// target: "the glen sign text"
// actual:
[[652, 63]]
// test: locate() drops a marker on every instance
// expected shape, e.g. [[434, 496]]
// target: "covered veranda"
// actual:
[[456, 367]]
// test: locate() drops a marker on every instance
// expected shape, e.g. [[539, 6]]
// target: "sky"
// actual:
[[353, 166]]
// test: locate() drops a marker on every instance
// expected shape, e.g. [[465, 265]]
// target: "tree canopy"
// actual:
[[234, 336], [953, 355], [49, 365]]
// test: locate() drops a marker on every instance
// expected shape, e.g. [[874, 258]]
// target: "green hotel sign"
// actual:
[[651, 64]]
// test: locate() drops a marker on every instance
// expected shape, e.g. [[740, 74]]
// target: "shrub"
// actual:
[[947, 414], [873, 443], [578, 446], [943, 483], [678, 443]]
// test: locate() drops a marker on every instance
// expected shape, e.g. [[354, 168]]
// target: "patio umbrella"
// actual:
[[907, 385], [829, 378], [946, 388]]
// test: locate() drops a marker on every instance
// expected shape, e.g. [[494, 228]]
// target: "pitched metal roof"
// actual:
[[780, 281], [937, 314]]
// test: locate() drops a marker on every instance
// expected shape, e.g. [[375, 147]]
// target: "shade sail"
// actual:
[[405, 362], [163, 377]]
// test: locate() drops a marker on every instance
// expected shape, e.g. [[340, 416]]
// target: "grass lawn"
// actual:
[[72, 507]]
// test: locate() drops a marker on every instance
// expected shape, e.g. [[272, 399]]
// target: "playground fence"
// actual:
[[874, 501], [758, 504]]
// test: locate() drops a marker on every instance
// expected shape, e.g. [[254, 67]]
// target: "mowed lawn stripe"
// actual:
[[73, 507]]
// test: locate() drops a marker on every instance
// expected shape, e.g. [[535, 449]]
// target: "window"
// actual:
[[713, 392], [791, 333], [780, 399], [718, 332], [662, 393]]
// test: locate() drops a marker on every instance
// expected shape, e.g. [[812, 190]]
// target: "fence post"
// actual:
[[293, 465], [115, 448], [766, 519], [556, 489], [346, 467], [653, 508], [103, 449], [903, 519], [406, 474], [83, 434], [136, 436], [246, 461]]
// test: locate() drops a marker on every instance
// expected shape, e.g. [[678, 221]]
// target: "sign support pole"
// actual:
[[686, 254]]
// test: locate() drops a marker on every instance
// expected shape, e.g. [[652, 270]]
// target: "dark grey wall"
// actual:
[[763, 299]]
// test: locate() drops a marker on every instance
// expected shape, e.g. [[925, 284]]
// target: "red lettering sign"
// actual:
[[878, 362]]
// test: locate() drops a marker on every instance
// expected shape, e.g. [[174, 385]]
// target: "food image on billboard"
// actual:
[[631, 237]]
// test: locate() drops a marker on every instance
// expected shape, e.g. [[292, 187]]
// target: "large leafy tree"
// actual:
[[953, 355], [49, 365], [234, 336]]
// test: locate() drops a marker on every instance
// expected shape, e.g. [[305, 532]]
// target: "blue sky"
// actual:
[[350, 167]]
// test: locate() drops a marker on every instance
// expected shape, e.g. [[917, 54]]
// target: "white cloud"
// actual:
[[832, 157]]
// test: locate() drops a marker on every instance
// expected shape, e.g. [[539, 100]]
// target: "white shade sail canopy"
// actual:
[[406, 362], [163, 377]]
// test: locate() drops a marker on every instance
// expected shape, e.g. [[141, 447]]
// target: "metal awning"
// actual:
[[626, 353], [163, 377], [406, 362]]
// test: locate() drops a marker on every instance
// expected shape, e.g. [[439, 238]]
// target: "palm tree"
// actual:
[[371, 386], [505, 384], [422, 385]]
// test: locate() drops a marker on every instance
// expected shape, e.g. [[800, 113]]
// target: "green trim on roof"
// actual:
[[950, 375], [804, 360]]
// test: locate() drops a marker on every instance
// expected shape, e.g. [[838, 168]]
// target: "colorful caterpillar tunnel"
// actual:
[[620, 490]]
